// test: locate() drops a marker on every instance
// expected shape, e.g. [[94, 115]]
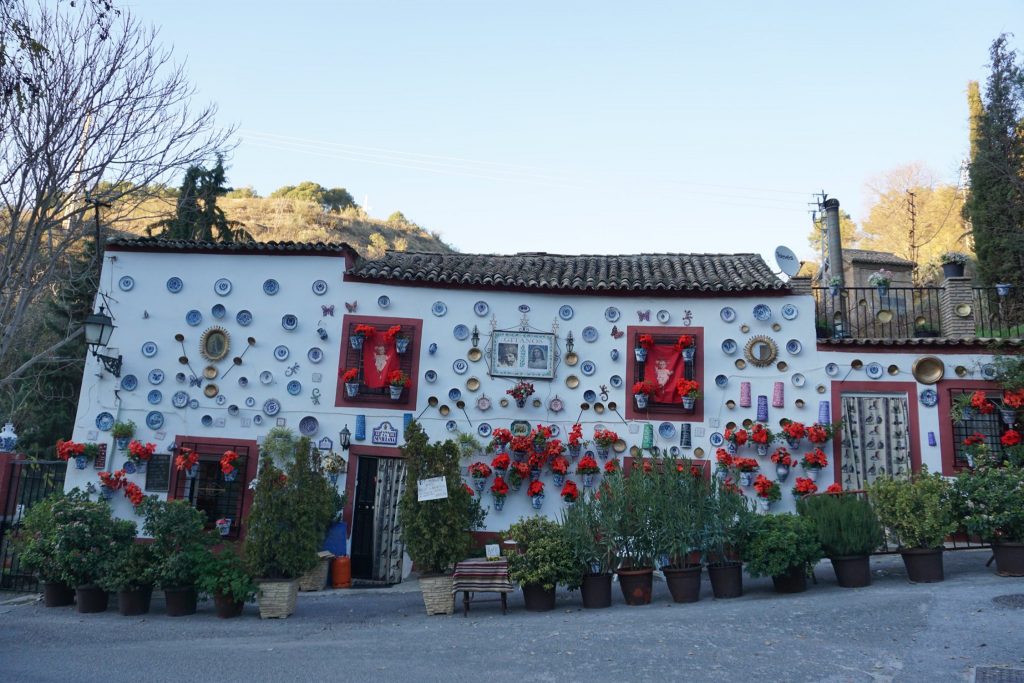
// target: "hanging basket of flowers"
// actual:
[[536, 493], [735, 437], [793, 432], [559, 467], [747, 468], [783, 462], [603, 441], [499, 490], [642, 392], [479, 471], [812, 463], [762, 436], [227, 465], [643, 345], [686, 345], [350, 378], [587, 468], [689, 392], [768, 491], [398, 380], [520, 392], [361, 334], [187, 461], [500, 439], [500, 463], [395, 336], [518, 472]]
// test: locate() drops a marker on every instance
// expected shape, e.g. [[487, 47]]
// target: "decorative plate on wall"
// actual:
[[289, 321], [266, 377], [430, 376], [455, 394], [126, 283], [222, 287], [460, 366], [250, 401], [221, 399], [281, 352], [319, 287], [156, 376], [666, 430], [929, 397], [798, 379], [589, 334], [472, 384], [315, 355], [729, 347], [588, 367], [154, 396], [589, 395], [524, 308], [664, 316], [257, 419], [194, 317], [218, 311], [439, 308], [874, 370], [612, 314], [294, 387], [794, 347], [149, 349], [461, 332], [762, 312], [271, 407], [174, 285], [721, 381], [193, 403], [716, 439], [129, 382], [615, 381], [271, 287], [988, 371], [728, 314], [104, 422], [243, 318], [832, 369], [154, 419], [383, 300], [565, 312], [309, 425], [572, 381], [483, 429], [181, 378], [481, 308], [790, 312], [180, 399], [210, 390]]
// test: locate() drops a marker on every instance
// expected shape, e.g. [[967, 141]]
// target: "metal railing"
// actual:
[[998, 316], [870, 313]]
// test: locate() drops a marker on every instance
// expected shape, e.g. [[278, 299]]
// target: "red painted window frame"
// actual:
[[409, 401], [876, 387], [632, 333], [946, 439]]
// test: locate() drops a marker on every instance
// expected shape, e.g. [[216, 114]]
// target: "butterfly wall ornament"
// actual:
[[351, 307], [644, 316], [328, 310], [616, 334]]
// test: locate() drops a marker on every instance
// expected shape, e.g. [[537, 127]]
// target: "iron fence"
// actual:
[[871, 313], [30, 482], [998, 316]]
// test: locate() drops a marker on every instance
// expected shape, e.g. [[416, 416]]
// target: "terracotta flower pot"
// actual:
[[135, 601], [793, 581], [180, 602], [91, 599], [636, 585], [1009, 558], [57, 594], [726, 579], [537, 598], [596, 591], [853, 571], [924, 565], [683, 582]]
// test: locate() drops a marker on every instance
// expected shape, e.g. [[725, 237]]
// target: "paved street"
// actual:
[[891, 631]]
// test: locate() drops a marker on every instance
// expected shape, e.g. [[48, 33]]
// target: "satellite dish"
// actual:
[[787, 261]]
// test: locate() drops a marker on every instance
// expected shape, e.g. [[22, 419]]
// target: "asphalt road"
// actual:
[[892, 630]]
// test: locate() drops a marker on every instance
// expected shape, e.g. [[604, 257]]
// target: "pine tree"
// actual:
[[197, 216]]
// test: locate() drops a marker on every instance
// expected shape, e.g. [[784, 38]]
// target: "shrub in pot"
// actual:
[[989, 504], [36, 545], [319, 502], [540, 561], [180, 543], [224, 577], [436, 532], [89, 542], [682, 502], [784, 547], [725, 532], [132, 575], [629, 505], [586, 537], [848, 530], [917, 515]]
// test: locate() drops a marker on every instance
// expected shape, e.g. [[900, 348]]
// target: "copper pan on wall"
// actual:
[[928, 369]]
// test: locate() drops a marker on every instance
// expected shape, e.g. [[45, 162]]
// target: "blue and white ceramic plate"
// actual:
[[193, 403], [729, 347], [832, 369], [481, 308], [439, 308], [149, 349], [589, 334], [790, 312], [154, 419], [430, 376], [154, 397], [663, 316], [129, 382], [721, 381], [156, 376], [483, 429], [451, 426], [589, 395], [222, 287], [319, 287], [294, 387], [207, 420], [250, 401], [281, 352], [289, 321], [266, 377], [666, 430], [461, 332], [874, 370], [194, 317], [762, 312], [384, 301], [799, 380], [615, 381], [181, 378], [728, 314], [988, 371], [524, 308], [929, 397], [565, 312], [455, 394], [460, 366], [588, 367], [126, 283], [271, 407], [232, 410], [612, 314], [716, 439], [174, 285], [243, 382], [218, 311], [104, 422], [309, 425], [315, 355], [271, 287], [179, 399], [243, 318], [794, 347]]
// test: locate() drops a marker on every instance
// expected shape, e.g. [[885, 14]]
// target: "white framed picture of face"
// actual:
[[515, 353]]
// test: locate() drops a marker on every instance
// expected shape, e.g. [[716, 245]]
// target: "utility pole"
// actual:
[[912, 208]]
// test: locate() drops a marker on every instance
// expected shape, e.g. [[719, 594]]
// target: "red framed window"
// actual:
[[664, 365], [376, 358], [209, 491], [953, 433]]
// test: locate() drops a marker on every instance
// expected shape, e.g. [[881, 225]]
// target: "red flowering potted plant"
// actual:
[[576, 442], [187, 461], [1012, 402], [736, 437], [521, 447], [794, 433], [587, 468], [762, 436], [768, 492], [834, 489], [536, 461], [350, 378], [83, 453], [361, 334], [746, 467], [520, 392], [819, 434], [642, 392], [395, 336], [540, 435], [536, 493], [812, 462], [398, 380], [139, 454], [499, 490], [227, 465], [500, 439], [804, 486], [689, 392], [559, 468], [518, 472], [603, 441], [686, 345], [723, 461], [611, 467], [570, 492], [643, 345], [783, 461], [479, 471], [110, 482], [975, 448], [500, 463]]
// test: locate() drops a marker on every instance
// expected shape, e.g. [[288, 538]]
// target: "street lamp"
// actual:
[[98, 328], [346, 438]]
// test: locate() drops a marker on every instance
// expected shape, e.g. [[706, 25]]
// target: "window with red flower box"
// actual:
[[380, 355], [208, 490], [664, 366]]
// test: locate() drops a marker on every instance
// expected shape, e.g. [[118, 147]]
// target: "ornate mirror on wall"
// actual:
[[215, 343], [761, 351]]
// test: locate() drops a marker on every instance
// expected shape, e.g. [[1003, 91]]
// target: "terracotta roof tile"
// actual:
[[159, 244]]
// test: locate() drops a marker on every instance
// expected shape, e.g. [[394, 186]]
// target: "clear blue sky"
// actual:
[[590, 127]]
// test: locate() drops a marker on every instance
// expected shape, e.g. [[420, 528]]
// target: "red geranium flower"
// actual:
[[834, 488], [1010, 438], [500, 462], [227, 463], [794, 430], [570, 492], [536, 488], [723, 458], [975, 439], [576, 435], [499, 487], [646, 341], [782, 457], [611, 467], [804, 487], [815, 458], [736, 436], [981, 403], [479, 470], [350, 375], [587, 465]]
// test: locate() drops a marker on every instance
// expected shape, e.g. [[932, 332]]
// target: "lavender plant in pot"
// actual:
[[848, 530]]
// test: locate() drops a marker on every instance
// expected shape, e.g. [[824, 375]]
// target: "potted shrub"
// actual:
[[180, 544], [629, 505], [835, 283], [36, 544], [990, 506], [727, 518], [318, 502], [224, 577], [585, 536], [680, 509], [90, 540], [848, 530], [132, 574], [917, 515], [540, 561], [881, 279], [436, 532], [122, 433], [784, 547], [953, 264]]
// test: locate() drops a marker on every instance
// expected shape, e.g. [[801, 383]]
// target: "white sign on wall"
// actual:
[[434, 488], [385, 435]]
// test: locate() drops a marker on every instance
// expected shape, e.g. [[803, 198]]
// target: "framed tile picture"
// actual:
[[514, 353]]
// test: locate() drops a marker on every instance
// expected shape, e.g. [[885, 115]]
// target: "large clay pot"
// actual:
[[91, 598], [636, 585], [135, 601], [537, 598], [1009, 558], [180, 602], [596, 590], [57, 594], [853, 571], [924, 565], [793, 581], [726, 579], [683, 582], [227, 607]]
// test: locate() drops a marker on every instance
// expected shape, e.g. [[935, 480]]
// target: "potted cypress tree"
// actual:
[[225, 578], [585, 535], [436, 532], [917, 515], [683, 494], [36, 545], [180, 544], [848, 530], [541, 561], [784, 547], [132, 575]]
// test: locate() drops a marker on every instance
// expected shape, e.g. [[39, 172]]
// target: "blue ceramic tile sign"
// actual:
[[385, 435]]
